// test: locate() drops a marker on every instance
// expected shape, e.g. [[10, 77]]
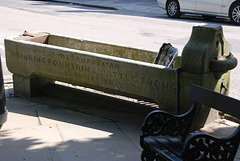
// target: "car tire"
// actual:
[[173, 9], [234, 14]]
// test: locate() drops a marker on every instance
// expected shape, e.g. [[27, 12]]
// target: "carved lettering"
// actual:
[[36, 59], [96, 71]]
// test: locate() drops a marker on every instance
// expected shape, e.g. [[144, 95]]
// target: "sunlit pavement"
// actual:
[[43, 129]]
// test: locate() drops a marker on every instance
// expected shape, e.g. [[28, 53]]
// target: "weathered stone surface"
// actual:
[[206, 45], [42, 58], [56, 60]]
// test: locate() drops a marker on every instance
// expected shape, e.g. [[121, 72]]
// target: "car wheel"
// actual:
[[173, 9], [235, 14]]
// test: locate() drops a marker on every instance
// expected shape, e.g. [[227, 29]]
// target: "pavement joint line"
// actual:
[[130, 140], [50, 153], [60, 133], [39, 120]]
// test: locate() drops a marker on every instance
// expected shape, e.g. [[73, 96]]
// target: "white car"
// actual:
[[207, 8]]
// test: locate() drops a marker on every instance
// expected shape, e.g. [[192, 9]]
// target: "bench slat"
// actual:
[[215, 100], [168, 144], [165, 147]]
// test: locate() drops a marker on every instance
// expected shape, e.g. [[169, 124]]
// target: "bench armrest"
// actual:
[[162, 123], [200, 146]]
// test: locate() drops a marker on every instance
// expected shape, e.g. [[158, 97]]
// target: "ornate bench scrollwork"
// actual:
[[165, 135]]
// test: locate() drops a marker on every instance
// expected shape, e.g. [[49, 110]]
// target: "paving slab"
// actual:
[[39, 131], [46, 128]]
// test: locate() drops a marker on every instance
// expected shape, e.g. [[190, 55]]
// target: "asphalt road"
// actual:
[[126, 27]]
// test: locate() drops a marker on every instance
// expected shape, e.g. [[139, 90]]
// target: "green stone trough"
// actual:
[[39, 59]]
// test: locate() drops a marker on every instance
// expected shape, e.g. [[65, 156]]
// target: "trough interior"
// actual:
[[95, 47]]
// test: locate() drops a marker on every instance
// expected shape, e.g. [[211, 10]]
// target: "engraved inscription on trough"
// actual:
[[95, 70], [111, 74], [101, 72]]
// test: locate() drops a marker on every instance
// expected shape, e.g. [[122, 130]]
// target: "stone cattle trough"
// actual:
[[37, 60]]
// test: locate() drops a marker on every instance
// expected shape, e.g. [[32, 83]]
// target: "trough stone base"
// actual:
[[29, 86]]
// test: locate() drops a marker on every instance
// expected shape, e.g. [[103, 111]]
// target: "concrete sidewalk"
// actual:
[[43, 129]]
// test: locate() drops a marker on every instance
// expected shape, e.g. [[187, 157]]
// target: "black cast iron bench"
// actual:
[[166, 136]]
